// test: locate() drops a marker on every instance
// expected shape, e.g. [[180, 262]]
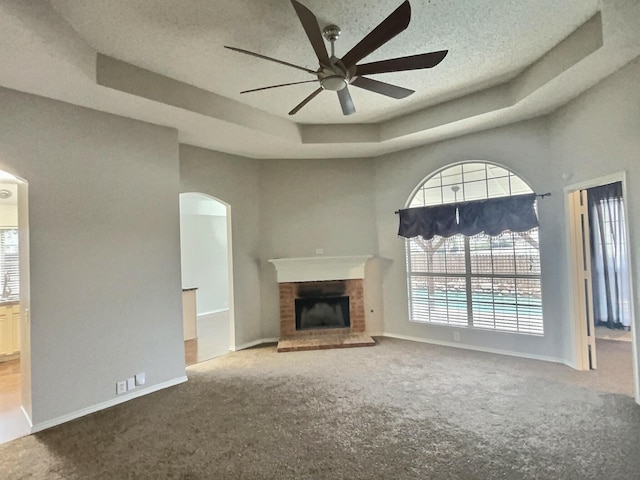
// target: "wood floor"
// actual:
[[9, 385], [13, 423]]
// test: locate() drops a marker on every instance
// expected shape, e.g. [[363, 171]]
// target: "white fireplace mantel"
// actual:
[[315, 269]]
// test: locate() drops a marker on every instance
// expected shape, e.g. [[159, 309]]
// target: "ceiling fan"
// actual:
[[337, 73]]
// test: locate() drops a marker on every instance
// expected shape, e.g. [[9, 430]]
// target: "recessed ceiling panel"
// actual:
[[488, 40]]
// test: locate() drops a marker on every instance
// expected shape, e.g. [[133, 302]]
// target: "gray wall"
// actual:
[[315, 204], [286, 208], [593, 136], [104, 229], [292, 207], [236, 181], [522, 148], [599, 134], [104, 249]]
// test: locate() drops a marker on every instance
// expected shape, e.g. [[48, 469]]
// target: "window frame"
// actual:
[[9, 263], [524, 324]]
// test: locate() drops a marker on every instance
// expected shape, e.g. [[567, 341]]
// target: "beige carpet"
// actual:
[[613, 334], [399, 410]]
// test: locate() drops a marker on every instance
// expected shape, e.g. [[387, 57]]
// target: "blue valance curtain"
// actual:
[[492, 216]]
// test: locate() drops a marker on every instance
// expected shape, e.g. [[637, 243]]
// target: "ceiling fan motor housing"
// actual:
[[335, 78]]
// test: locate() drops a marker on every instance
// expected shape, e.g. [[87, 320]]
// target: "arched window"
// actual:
[[480, 281]]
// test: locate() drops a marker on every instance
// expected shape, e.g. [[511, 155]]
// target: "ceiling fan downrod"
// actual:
[[337, 77]]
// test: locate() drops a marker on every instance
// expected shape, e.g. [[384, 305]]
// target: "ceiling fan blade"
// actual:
[[297, 108], [346, 102], [276, 86], [312, 28], [382, 88], [389, 28], [413, 62], [253, 54]]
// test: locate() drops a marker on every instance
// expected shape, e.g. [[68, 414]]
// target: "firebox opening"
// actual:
[[324, 312]]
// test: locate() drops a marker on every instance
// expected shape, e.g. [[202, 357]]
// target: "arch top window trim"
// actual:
[[475, 179]]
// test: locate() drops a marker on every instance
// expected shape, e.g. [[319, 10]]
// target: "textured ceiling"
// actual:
[[486, 39], [163, 62]]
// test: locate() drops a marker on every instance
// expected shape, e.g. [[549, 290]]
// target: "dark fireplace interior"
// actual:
[[322, 305], [325, 312]]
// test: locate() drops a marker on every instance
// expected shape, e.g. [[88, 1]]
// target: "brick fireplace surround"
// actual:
[[296, 275]]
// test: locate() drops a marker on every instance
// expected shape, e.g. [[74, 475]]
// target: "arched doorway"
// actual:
[[205, 244], [15, 384]]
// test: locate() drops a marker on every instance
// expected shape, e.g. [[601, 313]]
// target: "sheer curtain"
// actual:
[[609, 256]]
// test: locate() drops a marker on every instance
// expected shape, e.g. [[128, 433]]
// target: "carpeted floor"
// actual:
[[399, 410]]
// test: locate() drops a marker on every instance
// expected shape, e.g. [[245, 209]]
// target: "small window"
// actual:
[[9, 264], [480, 281]]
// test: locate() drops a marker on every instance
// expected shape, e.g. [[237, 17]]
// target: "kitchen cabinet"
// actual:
[[9, 330]]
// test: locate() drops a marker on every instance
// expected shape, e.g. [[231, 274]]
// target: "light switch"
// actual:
[[140, 378]]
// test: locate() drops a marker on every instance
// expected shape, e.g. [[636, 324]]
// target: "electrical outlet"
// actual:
[[121, 387], [456, 336], [131, 383], [140, 378], [319, 251]]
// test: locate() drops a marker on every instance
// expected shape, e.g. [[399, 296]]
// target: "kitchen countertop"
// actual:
[[8, 303]]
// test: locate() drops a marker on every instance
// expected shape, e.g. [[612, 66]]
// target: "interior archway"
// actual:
[[205, 243], [15, 380]]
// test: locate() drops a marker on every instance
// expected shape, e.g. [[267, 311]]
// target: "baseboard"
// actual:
[[426, 340], [464, 346], [101, 406], [27, 417], [212, 312], [235, 348]]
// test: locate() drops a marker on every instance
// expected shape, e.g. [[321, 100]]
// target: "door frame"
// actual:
[[25, 298], [582, 283], [578, 331]]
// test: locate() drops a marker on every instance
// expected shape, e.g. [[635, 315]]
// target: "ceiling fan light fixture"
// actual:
[[334, 83]]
